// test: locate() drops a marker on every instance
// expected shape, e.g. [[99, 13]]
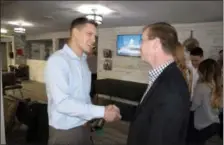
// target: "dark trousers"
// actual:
[[76, 136], [200, 137], [208, 132]]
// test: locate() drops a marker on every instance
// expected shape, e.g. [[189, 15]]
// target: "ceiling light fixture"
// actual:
[[19, 30], [100, 10], [95, 17], [20, 23], [4, 31]]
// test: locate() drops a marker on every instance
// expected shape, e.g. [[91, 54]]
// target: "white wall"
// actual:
[[210, 36]]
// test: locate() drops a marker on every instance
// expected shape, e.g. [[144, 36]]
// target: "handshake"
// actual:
[[112, 113]]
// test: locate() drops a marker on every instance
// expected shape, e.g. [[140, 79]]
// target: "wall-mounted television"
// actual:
[[129, 44]]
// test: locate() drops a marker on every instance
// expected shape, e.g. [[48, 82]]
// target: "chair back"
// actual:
[[8, 79]]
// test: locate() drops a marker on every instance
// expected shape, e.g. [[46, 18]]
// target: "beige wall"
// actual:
[[132, 68], [36, 69]]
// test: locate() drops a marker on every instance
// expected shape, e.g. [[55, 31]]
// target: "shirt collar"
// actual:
[[72, 54], [154, 73]]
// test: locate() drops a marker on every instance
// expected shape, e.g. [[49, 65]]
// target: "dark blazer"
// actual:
[[162, 117]]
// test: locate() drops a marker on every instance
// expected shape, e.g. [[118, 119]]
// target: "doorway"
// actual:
[[7, 46]]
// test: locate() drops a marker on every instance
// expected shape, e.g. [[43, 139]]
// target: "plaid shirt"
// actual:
[[154, 74]]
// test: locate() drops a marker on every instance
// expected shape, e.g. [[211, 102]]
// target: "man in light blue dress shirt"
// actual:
[[68, 82]]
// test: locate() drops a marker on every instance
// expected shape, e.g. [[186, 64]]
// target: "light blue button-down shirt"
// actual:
[[68, 83]]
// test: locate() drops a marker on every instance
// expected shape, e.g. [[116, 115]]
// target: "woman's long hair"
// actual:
[[210, 73], [181, 63]]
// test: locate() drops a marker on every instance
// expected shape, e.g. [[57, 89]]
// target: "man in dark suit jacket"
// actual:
[[162, 115]]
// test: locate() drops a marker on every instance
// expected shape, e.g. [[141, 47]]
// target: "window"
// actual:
[[62, 41], [39, 49]]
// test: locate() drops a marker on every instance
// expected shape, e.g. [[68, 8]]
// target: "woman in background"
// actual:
[[181, 63], [207, 101]]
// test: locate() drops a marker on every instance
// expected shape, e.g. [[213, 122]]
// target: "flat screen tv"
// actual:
[[129, 44]]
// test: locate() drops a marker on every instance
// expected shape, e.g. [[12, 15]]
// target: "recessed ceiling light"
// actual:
[[48, 17], [20, 23], [99, 9], [4, 31]]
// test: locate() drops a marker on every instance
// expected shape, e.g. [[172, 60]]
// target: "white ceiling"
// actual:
[[128, 13]]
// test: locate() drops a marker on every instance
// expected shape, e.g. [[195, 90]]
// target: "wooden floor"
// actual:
[[113, 133]]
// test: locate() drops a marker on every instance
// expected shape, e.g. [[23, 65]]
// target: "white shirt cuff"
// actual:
[[98, 111]]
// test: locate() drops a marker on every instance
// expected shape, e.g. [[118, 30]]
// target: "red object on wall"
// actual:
[[19, 51]]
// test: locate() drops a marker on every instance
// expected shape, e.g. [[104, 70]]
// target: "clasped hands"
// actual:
[[112, 113]]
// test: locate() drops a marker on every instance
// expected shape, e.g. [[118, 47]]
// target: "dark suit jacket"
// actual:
[[162, 117]]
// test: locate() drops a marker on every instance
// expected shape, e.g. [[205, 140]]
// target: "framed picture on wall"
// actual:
[[107, 65], [107, 53]]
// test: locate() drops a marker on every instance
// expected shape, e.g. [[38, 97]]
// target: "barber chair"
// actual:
[[10, 82]]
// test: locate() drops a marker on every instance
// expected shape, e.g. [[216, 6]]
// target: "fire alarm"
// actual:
[[19, 51]]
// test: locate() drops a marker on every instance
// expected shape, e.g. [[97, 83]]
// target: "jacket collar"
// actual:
[[153, 88]]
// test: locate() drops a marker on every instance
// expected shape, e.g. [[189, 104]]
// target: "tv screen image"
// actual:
[[129, 45]]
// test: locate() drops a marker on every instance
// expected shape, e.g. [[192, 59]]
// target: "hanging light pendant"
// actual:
[[95, 17]]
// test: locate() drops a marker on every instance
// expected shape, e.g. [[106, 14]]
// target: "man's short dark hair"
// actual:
[[166, 33], [78, 22], [220, 51], [197, 51]]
